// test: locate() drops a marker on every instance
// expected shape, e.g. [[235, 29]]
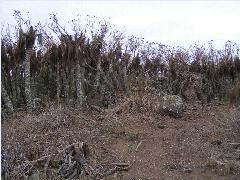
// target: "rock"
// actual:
[[216, 142], [172, 105], [235, 145], [187, 170], [161, 126]]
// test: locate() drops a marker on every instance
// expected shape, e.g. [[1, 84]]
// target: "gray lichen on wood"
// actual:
[[28, 80], [79, 84], [5, 97]]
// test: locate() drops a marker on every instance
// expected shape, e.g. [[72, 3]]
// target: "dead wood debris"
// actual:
[[75, 163]]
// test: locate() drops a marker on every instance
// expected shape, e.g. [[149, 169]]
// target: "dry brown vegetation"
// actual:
[[104, 89], [204, 144]]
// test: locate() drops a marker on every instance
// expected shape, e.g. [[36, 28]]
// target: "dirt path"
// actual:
[[175, 148]]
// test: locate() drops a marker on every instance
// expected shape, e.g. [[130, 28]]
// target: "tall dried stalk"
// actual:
[[27, 75]]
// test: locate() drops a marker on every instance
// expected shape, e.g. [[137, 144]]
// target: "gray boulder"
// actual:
[[172, 105]]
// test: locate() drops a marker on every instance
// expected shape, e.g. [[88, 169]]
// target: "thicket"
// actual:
[[95, 64]]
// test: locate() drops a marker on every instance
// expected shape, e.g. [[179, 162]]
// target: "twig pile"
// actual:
[[75, 163]]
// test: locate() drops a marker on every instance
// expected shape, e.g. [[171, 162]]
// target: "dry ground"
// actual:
[[203, 144]]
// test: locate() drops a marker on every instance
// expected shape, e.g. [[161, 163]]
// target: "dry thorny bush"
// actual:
[[91, 63]]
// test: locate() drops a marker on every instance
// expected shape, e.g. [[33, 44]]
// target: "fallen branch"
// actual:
[[46, 167], [97, 108], [70, 146], [73, 170], [121, 164], [51, 156], [34, 162], [139, 144], [117, 167], [120, 108]]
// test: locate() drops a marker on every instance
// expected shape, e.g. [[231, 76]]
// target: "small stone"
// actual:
[[187, 170], [161, 126], [216, 142], [235, 145]]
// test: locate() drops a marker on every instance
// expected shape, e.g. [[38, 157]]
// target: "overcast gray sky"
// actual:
[[168, 22]]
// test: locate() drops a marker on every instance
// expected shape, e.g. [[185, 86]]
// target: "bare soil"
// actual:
[[203, 144]]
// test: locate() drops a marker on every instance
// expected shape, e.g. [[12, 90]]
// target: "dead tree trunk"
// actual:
[[125, 80], [58, 84], [71, 82], [112, 74], [16, 88], [7, 101], [66, 86], [28, 80], [97, 79], [79, 83]]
